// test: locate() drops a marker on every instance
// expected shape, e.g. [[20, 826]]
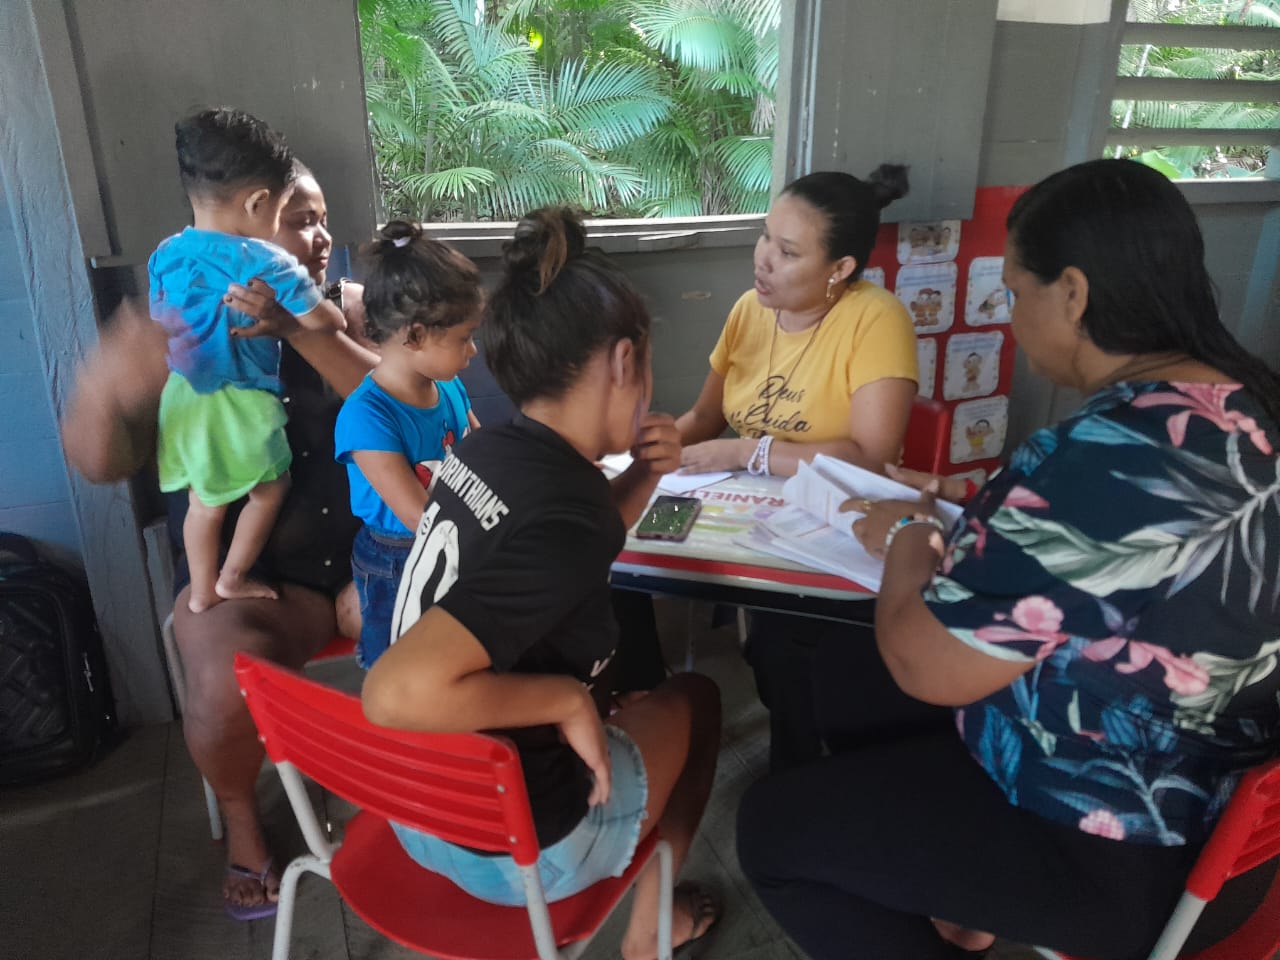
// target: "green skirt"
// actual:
[[220, 444]]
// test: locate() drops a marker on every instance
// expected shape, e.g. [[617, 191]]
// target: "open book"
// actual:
[[812, 531]]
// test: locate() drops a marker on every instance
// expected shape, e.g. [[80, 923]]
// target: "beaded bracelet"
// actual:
[[758, 462], [926, 518]]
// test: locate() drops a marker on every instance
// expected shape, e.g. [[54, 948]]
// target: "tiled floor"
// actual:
[[115, 863]]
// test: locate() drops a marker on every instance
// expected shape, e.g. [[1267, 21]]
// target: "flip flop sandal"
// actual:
[[251, 911], [704, 910]]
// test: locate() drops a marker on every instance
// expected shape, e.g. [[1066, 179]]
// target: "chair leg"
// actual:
[[742, 626], [666, 894], [178, 680], [544, 938], [211, 805], [690, 650], [288, 896]]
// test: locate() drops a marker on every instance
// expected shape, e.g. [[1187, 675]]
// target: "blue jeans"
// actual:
[[601, 845], [377, 561]]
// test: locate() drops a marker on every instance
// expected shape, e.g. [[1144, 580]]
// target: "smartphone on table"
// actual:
[[669, 518]]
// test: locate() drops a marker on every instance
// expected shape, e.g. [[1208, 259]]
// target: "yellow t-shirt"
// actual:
[[797, 386]]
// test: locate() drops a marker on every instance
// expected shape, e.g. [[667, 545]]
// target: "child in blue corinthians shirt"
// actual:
[[422, 306], [221, 429]]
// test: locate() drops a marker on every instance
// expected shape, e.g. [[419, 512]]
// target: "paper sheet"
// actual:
[[813, 531], [682, 483]]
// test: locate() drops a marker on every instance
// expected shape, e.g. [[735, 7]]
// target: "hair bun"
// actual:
[[544, 241], [397, 233], [889, 183]]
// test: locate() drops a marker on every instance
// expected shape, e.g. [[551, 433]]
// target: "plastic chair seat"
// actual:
[[372, 872]]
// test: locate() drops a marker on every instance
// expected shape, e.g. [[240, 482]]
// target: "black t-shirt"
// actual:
[[516, 544], [310, 541]]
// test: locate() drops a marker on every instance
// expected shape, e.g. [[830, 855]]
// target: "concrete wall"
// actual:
[[35, 498]]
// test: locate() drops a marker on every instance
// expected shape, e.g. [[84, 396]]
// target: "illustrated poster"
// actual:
[[934, 242], [979, 428], [972, 367], [988, 298], [874, 275], [928, 291], [927, 360]]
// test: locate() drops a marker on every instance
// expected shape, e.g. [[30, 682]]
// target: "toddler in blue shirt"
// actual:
[[422, 306], [221, 430]]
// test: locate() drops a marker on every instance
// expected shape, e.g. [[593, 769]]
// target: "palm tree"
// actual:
[[483, 110], [467, 125]]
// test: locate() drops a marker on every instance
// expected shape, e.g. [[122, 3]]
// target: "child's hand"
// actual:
[[258, 301]]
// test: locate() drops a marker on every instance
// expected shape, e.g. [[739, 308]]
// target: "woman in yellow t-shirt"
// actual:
[[814, 359]]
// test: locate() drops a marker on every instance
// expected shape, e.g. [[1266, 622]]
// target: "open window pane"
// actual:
[[481, 110]]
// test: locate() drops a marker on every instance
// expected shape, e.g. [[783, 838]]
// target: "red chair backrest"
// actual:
[[1248, 833], [466, 788], [928, 434]]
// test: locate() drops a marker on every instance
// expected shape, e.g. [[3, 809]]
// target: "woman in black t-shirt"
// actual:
[[503, 621]]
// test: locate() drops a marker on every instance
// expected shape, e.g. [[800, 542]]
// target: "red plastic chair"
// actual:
[[928, 435], [464, 788], [1247, 836], [335, 648]]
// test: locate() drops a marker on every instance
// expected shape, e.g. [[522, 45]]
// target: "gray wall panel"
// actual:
[[904, 83], [143, 63]]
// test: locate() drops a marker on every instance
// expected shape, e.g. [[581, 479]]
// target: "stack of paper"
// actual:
[[811, 530]]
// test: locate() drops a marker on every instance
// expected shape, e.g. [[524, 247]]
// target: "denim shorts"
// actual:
[[601, 845], [377, 561]]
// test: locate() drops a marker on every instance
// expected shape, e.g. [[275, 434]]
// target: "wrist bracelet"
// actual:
[[926, 518], [758, 462]]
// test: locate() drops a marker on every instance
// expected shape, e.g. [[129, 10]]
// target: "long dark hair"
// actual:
[[1131, 232], [557, 303], [851, 207], [413, 279]]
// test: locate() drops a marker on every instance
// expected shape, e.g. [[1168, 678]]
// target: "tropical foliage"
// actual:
[[1210, 160], [483, 109]]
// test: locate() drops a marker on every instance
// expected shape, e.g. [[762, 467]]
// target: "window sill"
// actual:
[[479, 240], [1260, 190]]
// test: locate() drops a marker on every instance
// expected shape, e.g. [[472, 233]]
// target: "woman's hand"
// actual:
[[657, 444], [949, 488], [712, 455], [130, 359], [879, 516], [584, 733], [258, 300]]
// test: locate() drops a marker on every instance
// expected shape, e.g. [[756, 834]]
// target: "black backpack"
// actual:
[[55, 706]]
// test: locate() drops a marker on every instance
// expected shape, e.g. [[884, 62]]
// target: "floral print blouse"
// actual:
[[1132, 553]]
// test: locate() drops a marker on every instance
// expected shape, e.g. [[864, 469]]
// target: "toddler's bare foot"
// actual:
[[233, 586], [963, 937], [199, 602]]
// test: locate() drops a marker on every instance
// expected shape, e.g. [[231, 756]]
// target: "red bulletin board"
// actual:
[[965, 331]]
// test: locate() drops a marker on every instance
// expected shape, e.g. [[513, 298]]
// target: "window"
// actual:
[[1198, 88], [480, 110]]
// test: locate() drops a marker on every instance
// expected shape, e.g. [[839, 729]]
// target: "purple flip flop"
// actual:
[[256, 911]]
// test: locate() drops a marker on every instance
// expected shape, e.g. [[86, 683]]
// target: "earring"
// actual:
[[831, 282]]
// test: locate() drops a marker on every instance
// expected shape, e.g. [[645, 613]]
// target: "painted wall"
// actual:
[[35, 498]]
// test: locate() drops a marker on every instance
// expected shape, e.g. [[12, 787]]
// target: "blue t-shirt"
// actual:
[[190, 273], [372, 419], [1132, 554]]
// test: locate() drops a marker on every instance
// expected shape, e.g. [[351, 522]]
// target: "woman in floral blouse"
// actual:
[[1103, 622]]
